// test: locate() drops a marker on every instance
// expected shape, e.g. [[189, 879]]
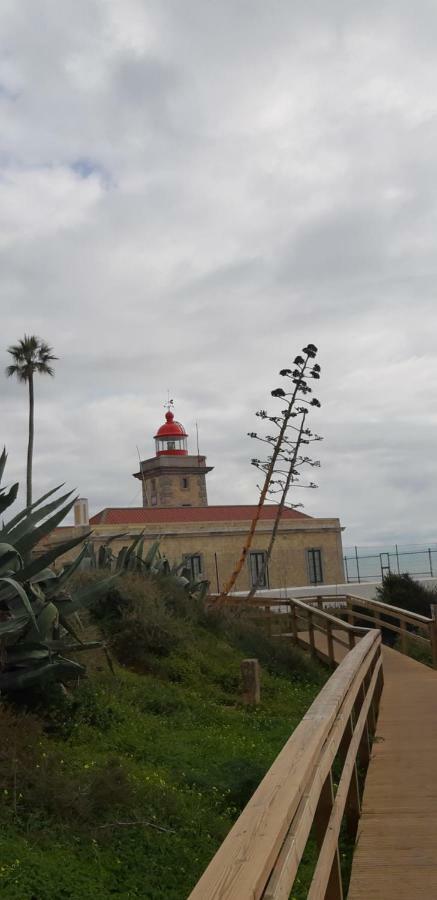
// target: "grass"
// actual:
[[126, 786]]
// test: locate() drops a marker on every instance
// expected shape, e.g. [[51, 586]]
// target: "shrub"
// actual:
[[405, 592]]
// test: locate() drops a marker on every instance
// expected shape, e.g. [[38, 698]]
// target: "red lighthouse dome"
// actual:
[[171, 438]]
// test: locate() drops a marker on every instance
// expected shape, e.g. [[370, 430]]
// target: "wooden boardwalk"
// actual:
[[395, 857], [396, 852]]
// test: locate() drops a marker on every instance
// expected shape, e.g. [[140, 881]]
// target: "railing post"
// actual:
[[311, 633], [364, 745], [350, 612], [334, 890], [251, 681], [433, 634], [403, 627], [330, 642], [353, 802], [294, 624], [351, 635]]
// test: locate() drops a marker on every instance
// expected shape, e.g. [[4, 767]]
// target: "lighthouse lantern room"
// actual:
[[173, 477], [171, 438]]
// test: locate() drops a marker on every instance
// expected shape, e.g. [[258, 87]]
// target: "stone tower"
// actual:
[[172, 477]]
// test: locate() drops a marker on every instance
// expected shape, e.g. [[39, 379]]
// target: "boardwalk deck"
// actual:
[[396, 852]]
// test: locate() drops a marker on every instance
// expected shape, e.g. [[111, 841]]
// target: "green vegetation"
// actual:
[[127, 785], [35, 610], [408, 594], [412, 596]]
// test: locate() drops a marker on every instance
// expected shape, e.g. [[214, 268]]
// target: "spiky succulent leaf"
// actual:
[[24, 513], [58, 669], [3, 459], [18, 590], [83, 597], [31, 538], [7, 498], [42, 562]]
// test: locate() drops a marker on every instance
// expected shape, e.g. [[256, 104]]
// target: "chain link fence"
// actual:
[[363, 564]]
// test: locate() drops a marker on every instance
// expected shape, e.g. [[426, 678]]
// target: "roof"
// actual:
[[171, 428], [131, 515]]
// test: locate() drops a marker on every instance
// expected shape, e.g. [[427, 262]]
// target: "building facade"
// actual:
[[175, 511]]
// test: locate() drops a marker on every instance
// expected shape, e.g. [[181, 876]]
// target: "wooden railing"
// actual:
[[307, 624], [404, 625], [260, 856]]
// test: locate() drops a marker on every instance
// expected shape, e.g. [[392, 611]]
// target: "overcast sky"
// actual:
[[192, 190]]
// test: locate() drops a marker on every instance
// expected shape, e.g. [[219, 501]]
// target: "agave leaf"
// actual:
[[84, 596], [18, 589], [68, 627], [3, 459], [58, 669], [28, 540], [58, 583], [151, 553], [121, 559], [7, 499], [42, 562], [140, 550], [20, 655], [47, 620], [13, 625], [30, 521], [115, 537], [132, 546], [24, 513]]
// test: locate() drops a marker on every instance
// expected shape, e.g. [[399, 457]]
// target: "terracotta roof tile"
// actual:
[[138, 515]]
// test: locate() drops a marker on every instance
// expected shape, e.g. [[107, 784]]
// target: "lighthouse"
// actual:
[[173, 477]]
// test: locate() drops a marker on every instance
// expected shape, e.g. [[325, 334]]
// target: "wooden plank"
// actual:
[[394, 611], [395, 856], [329, 849], [287, 864], [246, 858]]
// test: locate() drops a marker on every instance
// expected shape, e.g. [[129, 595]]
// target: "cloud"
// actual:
[[191, 192]]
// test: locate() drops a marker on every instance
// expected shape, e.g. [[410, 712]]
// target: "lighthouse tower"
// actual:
[[173, 477]]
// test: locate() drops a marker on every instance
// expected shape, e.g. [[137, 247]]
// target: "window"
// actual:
[[184, 483], [256, 565], [171, 445], [314, 563], [194, 564]]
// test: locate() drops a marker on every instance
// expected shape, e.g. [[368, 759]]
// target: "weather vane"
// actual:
[[169, 403]]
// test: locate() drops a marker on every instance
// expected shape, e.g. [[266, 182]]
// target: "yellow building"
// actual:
[[175, 510]]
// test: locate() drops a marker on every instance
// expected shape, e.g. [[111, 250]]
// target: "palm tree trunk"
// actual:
[[30, 444]]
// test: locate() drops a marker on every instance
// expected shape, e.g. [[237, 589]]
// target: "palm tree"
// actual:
[[31, 356]]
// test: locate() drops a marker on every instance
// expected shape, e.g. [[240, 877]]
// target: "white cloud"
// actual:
[[188, 194]]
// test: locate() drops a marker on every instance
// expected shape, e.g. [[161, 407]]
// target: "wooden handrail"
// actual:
[[260, 856], [396, 611], [427, 626]]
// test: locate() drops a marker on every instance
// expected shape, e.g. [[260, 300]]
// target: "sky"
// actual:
[[192, 191]]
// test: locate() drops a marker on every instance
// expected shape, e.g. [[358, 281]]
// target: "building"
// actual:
[[175, 510]]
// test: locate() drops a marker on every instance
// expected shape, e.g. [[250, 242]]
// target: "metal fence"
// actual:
[[363, 564]]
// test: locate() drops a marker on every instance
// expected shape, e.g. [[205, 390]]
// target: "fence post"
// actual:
[[311, 633], [294, 624], [251, 681], [334, 890], [330, 642], [403, 628], [433, 634], [353, 802]]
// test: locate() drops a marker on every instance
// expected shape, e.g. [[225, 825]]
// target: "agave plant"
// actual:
[[134, 559], [36, 612]]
